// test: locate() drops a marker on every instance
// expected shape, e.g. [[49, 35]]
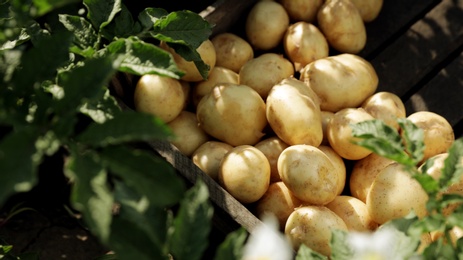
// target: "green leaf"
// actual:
[[232, 247], [149, 16], [85, 35], [85, 83], [102, 12], [192, 224], [139, 230], [102, 109], [144, 58], [382, 139], [122, 26], [45, 6], [18, 162], [306, 253], [126, 126], [414, 139], [146, 173], [453, 165], [340, 248], [429, 184], [90, 192]]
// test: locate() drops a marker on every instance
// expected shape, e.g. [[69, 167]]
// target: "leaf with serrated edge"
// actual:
[[232, 247], [102, 12], [306, 253], [453, 165], [192, 224], [414, 139]]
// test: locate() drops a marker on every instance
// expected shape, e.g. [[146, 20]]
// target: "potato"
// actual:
[[369, 9], [234, 114], [188, 136], [353, 212], [277, 200], [303, 43], [207, 52], [218, 75], [339, 133], [438, 133], [435, 171], [385, 106], [272, 148], [394, 194], [208, 157], [266, 24], [309, 173], [313, 226], [232, 51], [364, 173], [302, 10], [293, 116], [245, 173], [186, 88], [343, 26], [263, 72], [338, 163], [341, 81], [159, 96], [326, 117]]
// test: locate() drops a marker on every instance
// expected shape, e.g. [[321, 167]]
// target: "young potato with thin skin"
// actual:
[[302, 10], [217, 76], [385, 106], [209, 155], [293, 116], [272, 148], [369, 9], [230, 107], [159, 96], [341, 81], [354, 212], [279, 201], [232, 51], [207, 53], [339, 133], [394, 194], [438, 133], [313, 226], [188, 136], [343, 26], [326, 118], [364, 173], [245, 173], [303, 43], [266, 24], [309, 173], [339, 164], [263, 72]]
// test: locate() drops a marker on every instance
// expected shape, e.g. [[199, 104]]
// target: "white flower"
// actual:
[[378, 245], [267, 242]]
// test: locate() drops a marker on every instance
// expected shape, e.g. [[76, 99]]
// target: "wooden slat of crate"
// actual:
[[395, 17], [403, 64]]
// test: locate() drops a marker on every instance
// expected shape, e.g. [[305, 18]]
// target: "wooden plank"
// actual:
[[442, 95], [395, 18], [422, 48]]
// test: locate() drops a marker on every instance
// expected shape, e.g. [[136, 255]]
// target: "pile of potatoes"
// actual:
[[274, 130]]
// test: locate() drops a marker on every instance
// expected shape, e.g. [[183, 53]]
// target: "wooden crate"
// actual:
[[414, 45]]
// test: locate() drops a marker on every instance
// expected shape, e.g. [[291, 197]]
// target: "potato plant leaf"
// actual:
[[85, 35], [126, 126], [306, 253], [123, 25], [102, 109], [90, 192], [84, 83], [139, 229], [18, 162], [146, 173], [192, 224], [232, 247], [453, 165], [149, 16], [144, 58], [102, 12], [340, 247], [414, 139], [45, 6]]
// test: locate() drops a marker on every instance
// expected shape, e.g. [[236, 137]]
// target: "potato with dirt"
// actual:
[[234, 114]]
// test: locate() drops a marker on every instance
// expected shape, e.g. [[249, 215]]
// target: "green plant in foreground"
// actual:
[[400, 238]]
